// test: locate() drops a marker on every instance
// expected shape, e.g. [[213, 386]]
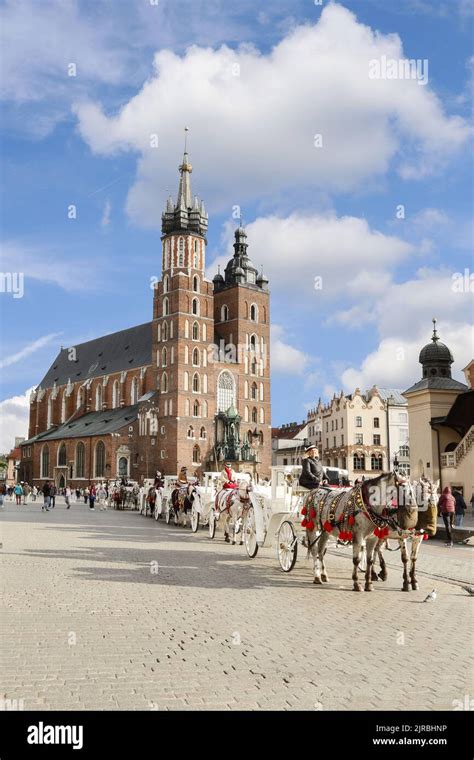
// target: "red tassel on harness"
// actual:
[[304, 523], [425, 536], [327, 527], [310, 525], [342, 535], [304, 511], [351, 520], [350, 536], [312, 512]]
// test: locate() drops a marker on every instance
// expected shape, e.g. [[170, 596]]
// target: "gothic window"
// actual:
[[62, 455], [253, 342], [166, 284], [260, 438], [196, 455], [195, 306], [359, 462], [134, 391], [63, 407], [186, 381], [164, 358], [262, 416], [204, 384], [172, 355], [45, 461], [253, 367], [100, 460], [195, 331], [204, 331], [186, 329], [80, 458], [261, 391], [196, 409], [254, 313], [116, 395], [246, 414], [225, 391], [254, 414], [190, 432], [254, 391], [186, 355], [195, 357], [165, 331], [166, 307], [187, 408], [224, 313], [123, 467], [202, 432], [196, 383], [98, 398], [196, 283], [171, 328], [204, 359], [375, 462], [158, 358], [204, 409], [181, 252], [80, 397], [159, 332], [164, 383]]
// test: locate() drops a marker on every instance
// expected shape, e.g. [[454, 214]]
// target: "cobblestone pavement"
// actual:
[[111, 610]]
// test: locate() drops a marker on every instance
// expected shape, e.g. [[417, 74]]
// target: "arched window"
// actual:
[[186, 329], [196, 284], [260, 438], [196, 357], [253, 367], [204, 331], [164, 383], [225, 391], [80, 397], [134, 391], [262, 415], [254, 414], [123, 467], [195, 331], [359, 462], [195, 306], [254, 313], [254, 391], [166, 307], [80, 458], [116, 395], [196, 409], [62, 461], [165, 331], [190, 432], [167, 254], [253, 342], [196, 383], [172, 355], [45, 461], [224, 313], [63, 407], [187, 408], [166, 283], [164, 358], [261, 391], [99, 460], [186, 381], [246, 414], [204, 409], [376, 462], [196, 454], [181, 252], [98, 398], [202, 432], [158, 332]]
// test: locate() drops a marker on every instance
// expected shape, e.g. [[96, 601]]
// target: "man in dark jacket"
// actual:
[[312, 473], [459, 509], [46, 496]]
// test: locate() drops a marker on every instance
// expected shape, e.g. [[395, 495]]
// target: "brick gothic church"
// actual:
[[191, 387]]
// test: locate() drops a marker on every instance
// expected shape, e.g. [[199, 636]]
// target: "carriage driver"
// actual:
[[228, 477], [312, 473]]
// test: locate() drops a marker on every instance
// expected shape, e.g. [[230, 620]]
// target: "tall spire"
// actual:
[[184, 200], [434, 337]]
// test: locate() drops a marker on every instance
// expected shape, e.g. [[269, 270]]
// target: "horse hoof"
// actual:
[[368, 588], [317, 581], [241, 543], [405, 588], [414, 586], [233, 543], [374, 577], [356, 588], [383, 576], [324, 578], [227, 539]]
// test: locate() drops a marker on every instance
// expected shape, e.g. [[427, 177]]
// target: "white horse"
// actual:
[[417, 524], [360, 514], [233, 503]]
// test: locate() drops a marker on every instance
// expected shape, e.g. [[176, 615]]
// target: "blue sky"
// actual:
[[254, 82]]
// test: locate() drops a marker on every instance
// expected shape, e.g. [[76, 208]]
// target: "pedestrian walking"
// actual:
[[67, 496], [18, 493], [447, 505], [26, 493], [102, 496], [459, 509], [53, 493], [46, 496], [86, 495], [92, 497], [3, 492], [34, 493], [78, 494]]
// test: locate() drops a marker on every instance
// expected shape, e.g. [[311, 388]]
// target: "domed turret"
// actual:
[[435, 357]]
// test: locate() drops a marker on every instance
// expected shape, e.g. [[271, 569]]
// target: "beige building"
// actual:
[[441, 419]]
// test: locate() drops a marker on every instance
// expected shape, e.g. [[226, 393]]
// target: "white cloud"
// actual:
[[285, 358], [27, 350], [14, 415], [260, 112], [345, 252], [105, 221]]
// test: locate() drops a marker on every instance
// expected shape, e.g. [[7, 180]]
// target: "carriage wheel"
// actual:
[[194, 519], [156, 512], [212, 523], [287, 546], [250, 533]]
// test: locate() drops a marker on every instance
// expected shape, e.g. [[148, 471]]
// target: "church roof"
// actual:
[[436, 383], [94, 423], [116, 352]]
